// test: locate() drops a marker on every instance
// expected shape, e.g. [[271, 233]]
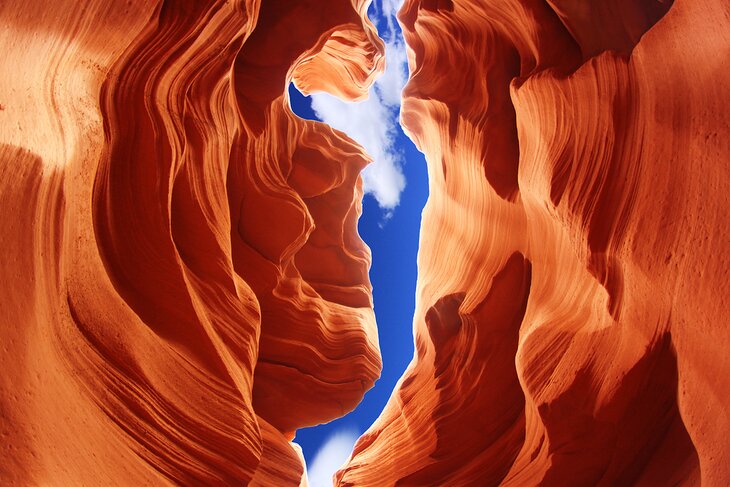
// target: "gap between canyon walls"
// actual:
[[396, 188], [467, 352], [186, 287]]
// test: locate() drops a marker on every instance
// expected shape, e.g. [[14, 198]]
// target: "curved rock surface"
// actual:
[[571, 320], [184, 285], [183, 282]]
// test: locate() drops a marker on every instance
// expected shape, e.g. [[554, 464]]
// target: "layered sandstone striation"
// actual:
[[183, 282], [571, 321], [184, 285]]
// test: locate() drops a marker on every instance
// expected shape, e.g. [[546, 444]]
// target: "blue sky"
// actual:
[[396, 187]]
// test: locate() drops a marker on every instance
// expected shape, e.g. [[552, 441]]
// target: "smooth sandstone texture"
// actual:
[[571, 323], [183, 285]]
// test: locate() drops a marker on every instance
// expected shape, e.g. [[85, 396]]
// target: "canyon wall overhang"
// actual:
[[183, 284]]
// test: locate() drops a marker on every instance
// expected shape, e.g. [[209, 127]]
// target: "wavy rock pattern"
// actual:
[[184, 285], [570, 323]]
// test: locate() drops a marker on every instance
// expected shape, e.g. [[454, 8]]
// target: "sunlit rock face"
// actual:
[[183, 285], [571, 324]]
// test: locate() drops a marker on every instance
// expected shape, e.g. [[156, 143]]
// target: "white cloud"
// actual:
[[388, 9], [373, 123], [331, 456]]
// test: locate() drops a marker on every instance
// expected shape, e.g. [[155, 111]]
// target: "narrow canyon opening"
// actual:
[[396, 189], [200, 276]]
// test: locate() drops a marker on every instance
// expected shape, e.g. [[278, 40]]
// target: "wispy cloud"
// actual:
[[374, 122], [331, 456]]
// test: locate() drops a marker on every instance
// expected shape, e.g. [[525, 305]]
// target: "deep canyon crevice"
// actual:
[[185, 287]]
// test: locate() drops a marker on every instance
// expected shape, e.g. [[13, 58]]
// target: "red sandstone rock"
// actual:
[[183, 282], [184, 286], [571, 311]]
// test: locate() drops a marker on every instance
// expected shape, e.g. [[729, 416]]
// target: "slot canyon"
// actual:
[[184, 285]]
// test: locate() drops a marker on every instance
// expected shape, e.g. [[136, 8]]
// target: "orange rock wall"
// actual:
[[183, 282], [184, 286], [571, 323]]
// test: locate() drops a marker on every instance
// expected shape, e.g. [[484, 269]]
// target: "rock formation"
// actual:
[[183, 282], [571, 311], [184, 285]]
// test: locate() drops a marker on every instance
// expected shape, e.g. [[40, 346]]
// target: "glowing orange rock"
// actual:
[[184, 286], [570, 323], [183, 282]]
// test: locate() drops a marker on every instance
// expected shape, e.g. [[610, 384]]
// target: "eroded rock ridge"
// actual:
[[183, 281], [571, 308]]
